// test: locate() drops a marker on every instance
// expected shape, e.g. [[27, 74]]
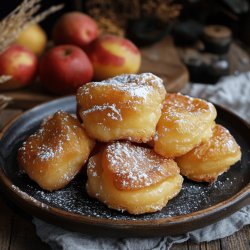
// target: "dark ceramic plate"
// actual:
[[196, 206]]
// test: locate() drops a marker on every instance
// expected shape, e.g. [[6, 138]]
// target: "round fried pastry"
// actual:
[[54, 154], [185, 122], [123, 107], [132, 178], [211, 158]]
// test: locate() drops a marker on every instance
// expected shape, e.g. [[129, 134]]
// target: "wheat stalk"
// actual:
[[4, 78], [14, 23], [4, 101], [18, 19]]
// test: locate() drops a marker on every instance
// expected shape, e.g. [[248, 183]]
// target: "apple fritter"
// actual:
[[211, 158], [185, 122], [54, 154], [124, 107], [132, 178]]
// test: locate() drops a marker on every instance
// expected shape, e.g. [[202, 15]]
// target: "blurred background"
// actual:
[[232, 13]]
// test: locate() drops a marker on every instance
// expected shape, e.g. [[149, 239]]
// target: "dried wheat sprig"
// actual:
[[46, 13], [18, 19], [4, 101], [4, 78]]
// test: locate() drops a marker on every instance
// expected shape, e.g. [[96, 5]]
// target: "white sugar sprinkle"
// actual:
[[134, 165]]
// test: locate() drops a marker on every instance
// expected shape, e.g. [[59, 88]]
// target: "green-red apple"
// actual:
[[20, 64], [113, 55]]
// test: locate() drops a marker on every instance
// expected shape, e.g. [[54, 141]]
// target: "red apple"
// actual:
[[65, 68], [113, 55], [75, 28], [19, 63]]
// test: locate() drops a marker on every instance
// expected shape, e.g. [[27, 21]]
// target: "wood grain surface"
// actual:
[[162, 59], [18, 232]]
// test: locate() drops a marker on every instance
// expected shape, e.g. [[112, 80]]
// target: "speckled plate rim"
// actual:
[[143, 228]]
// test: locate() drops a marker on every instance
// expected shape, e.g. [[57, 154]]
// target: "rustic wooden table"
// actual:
[[17, 232]]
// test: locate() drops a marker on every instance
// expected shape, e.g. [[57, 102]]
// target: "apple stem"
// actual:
[[67, 52]]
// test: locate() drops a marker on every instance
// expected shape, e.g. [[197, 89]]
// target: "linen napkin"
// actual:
[[231, 92]]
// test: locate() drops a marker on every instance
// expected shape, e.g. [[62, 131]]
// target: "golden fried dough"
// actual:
[[132, 178], [211, 158], [54, 154], [185, 122], [123, 107]]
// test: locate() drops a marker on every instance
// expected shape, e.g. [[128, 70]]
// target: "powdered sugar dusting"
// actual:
[[45, 152], [114, 112], [48, 141], [178, 106], [137, 86], [135, 167], [28, 197]]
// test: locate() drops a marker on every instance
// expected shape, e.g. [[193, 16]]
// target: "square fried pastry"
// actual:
[[132, 178], [54, 154], [211, 158], [124, 107], [185, 122]]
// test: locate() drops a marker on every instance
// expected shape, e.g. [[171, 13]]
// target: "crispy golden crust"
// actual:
[[133, 167], [138, 182], [123, 107], [54, 154], [185, 122], [211, 158]]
